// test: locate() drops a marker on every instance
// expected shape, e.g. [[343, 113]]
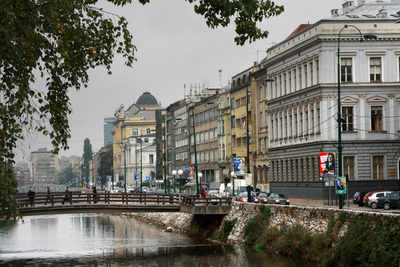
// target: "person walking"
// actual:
[[48, 196], [94, 194], [203, 192], [31, 196], [67, 197]]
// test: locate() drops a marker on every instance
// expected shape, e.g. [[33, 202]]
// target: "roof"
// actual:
[[147, 99], [299, 29]]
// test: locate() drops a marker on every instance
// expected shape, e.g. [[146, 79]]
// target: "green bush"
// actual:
[[257, 225], [226, 229]]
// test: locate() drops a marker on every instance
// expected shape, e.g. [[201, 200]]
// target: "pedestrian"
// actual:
[[67, 197], [48, 196], [203, 192], [31, 196], [94, 194]]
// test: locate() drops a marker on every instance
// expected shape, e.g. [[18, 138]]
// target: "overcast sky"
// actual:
[[175, 48]]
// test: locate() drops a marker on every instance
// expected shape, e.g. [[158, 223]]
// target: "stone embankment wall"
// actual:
[[315, 219]]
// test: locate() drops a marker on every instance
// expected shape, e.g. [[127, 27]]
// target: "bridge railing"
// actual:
[[90, 198], [206, 201]]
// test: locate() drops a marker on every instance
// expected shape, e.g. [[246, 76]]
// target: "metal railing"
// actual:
[[205, 201]]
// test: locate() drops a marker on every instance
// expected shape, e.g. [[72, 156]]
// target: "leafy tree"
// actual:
[[106, 164], [68, 175], [87, 156], [59, 41]]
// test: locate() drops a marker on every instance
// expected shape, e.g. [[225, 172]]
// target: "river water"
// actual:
[[111, 240]]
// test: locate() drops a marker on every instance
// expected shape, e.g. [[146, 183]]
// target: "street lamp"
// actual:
[[173, 174], [340, 147], [180, 172], [233, 175]]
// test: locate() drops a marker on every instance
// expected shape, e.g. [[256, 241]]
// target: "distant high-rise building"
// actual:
[[108, 127], [44, 166]]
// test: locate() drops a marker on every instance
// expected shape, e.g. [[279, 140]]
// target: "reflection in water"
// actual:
[[107, 240]]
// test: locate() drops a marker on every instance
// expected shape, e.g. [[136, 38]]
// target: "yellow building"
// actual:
[[242, 117], [130, 127]]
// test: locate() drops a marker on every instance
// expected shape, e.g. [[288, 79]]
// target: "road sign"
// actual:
[[148, 178]]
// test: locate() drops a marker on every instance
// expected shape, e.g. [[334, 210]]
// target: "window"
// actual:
[[347, 119], [243, 101], [346, 70], [148, 131], [233, 140], [233, 122], [237, 103], [375, 66], [151, 158], [376, 118], [348, 167], [238, 122], [135, 131], [201, 118], [261, 119], [233, 103], [377, 168], [205, 116], [260, 91], [239, 142]]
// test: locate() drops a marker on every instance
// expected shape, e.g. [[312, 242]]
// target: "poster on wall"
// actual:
[[341, 186], [327, 163], [239, 165]]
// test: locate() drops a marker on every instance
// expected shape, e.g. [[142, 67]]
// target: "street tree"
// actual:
[[87, 157], [59, 41]]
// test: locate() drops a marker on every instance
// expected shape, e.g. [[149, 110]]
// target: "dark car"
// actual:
[[263, 197], [390, 201], [358, 198], [275, 198]]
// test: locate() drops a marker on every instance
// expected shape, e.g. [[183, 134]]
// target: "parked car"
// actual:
[[275, 198], [366, 197], [135, 190], [373, 199], [263, 197], [145, 189], [358, 198], [390, 201]]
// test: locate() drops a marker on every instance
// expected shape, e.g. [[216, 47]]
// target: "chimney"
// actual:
[[382, 14], [347, 6], [255, 63], [334, 13]]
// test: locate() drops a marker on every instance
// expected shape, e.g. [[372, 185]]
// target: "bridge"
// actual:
[[106, 202]]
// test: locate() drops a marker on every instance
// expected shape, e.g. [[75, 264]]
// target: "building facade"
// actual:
[[134, 145], [44, 167], [302, 113]]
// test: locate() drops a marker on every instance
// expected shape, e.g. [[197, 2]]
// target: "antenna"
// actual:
[[220, 84]]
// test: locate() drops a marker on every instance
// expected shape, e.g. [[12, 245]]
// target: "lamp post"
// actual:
[[340, 147], [180, 172], [195, 153], [200, 175], [165, 160], [173, 175], [233, 175]]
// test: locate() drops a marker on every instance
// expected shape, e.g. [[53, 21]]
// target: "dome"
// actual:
[[147, 99]]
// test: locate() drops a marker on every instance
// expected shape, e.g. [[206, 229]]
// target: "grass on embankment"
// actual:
[[365, 243]]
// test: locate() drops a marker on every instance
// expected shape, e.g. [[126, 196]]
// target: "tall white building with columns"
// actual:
[[301, 108]]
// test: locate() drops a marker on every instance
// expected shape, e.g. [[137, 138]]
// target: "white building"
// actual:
[[302, 105]]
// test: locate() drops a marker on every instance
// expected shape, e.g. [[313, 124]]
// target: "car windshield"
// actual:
[[262, 195], [281, 195]]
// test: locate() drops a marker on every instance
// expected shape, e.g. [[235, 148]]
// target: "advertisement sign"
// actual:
[[189, 171], [135, 176], [341, 186], [108, 179], [327, 163], [89, 180], [248, 179], [239, 165]]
